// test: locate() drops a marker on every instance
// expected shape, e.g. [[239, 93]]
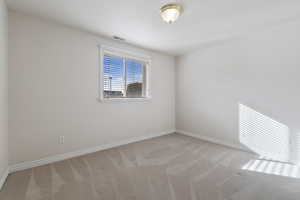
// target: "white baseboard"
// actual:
[[3, 178], [60, 157], [212, 140]]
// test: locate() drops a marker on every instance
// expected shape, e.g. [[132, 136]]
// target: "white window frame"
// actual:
[[106, 50]]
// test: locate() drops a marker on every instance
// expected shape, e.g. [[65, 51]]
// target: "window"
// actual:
[[123, 75]]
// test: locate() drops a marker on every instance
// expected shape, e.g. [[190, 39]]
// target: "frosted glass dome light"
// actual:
[[171, 12]]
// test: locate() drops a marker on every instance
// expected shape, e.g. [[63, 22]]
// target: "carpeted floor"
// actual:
[[172, 167]]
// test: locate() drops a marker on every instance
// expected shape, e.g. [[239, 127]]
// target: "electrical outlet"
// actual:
[[61, 139]]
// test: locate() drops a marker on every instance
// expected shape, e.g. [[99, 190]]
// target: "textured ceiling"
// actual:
[[139, 22]]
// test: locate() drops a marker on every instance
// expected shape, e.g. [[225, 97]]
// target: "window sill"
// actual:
[[112, 100]]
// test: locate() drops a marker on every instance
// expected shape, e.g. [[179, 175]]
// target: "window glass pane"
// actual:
[[134, 79], [113, 77]]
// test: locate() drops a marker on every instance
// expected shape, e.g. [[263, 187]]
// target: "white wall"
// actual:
[[260, 70], [53, 73], [3, 90]]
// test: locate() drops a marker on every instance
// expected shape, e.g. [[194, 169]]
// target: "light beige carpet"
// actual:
[[173, 167]]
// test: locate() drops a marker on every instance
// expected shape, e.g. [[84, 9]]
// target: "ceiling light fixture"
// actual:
[[171, 12]]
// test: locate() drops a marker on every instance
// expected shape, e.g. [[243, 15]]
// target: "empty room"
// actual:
[[149, 100]]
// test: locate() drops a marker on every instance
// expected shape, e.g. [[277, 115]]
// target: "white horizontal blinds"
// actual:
[[134, 78], [263, 135], [113, 74]]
